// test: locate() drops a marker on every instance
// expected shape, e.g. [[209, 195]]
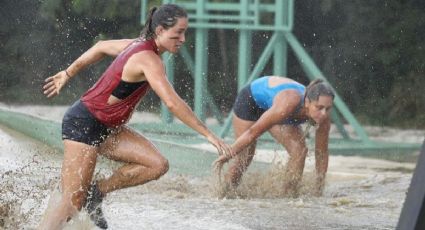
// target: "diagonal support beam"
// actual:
[[209, 99], [262, 61], [313, 72]]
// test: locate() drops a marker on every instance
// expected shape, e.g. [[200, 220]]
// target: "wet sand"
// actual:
[[361, 193]]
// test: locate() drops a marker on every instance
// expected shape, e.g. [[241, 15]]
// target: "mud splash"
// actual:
[[360, 194]]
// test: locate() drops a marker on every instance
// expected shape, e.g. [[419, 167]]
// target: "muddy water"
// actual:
[[360, 194]]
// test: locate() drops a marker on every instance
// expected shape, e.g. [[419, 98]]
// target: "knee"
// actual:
[[160, 168]]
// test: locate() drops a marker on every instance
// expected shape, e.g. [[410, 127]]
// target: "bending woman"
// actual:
[[279, 105], [95, 124]]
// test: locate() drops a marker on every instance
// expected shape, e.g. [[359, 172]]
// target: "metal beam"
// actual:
[[313, 72], [280, 52], [244, 58], [209, 99], [201, 60], [262, 61]]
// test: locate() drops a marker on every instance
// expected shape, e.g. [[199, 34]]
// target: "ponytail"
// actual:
[[166, 16], [147, 31]]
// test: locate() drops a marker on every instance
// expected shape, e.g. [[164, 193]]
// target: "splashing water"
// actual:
[[360, 194]]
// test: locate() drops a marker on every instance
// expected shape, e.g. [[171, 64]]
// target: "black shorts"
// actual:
[[80, 125], [245, 107]]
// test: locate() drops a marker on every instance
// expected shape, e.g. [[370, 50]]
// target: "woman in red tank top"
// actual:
[[106, 107]]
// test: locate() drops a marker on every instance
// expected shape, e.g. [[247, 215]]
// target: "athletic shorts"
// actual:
[[80, 125], [245, 107]]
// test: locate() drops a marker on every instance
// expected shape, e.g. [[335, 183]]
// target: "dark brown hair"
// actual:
[[318, 88], [166, 16]]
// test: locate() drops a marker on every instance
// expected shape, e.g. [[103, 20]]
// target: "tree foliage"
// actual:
[[372, 52]]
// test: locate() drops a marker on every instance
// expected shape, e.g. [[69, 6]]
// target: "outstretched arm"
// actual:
[[150, 65], [96, 53], [322, 155], [283, 105]]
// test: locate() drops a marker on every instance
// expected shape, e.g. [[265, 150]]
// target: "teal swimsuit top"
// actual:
[[263, 96]]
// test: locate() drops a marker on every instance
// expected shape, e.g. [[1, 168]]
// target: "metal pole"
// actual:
[[168, 60], [143, 11], [313, 72], [201, 52], [262, 61], [280, 52], [244, 48], [209, 99]]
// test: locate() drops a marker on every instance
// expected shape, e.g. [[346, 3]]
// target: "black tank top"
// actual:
[[125, 89]]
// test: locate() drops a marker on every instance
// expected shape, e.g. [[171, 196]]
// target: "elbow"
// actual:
[[100, 47], [99, 43]]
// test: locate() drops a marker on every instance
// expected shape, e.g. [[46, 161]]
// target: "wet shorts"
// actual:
[[245, 107], [80, 125]]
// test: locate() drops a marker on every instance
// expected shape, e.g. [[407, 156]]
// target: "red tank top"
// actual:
[[96, 98]]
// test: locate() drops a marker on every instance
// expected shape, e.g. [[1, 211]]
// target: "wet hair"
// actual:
[[166, 16], [318, 88]]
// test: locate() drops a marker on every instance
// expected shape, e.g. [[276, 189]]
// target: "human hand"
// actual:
[[222, 147], [55, 83]]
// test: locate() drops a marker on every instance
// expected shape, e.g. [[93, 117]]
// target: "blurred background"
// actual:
[[371, 51]]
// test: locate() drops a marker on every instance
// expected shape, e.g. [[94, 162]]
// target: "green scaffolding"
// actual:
[[245, 16]]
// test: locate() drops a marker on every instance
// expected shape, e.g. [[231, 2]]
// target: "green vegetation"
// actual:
[[371, 51]]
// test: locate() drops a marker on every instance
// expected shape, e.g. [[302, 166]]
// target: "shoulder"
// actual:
[[288, 97], [146, 58], [112, 47], [286, 102]]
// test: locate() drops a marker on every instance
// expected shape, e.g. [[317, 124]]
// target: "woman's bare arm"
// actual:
[[283, 106], [96, 53], [150, 65], [101, 49], [322, 155]]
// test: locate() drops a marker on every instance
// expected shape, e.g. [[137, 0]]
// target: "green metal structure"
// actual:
[[180, 144], [246, 16]]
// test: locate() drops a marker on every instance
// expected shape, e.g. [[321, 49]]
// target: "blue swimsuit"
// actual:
[[258, 97]]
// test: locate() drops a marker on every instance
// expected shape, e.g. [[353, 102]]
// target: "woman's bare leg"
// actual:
[[145, 162], [291, 137], [77, 171], [242, 160]]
